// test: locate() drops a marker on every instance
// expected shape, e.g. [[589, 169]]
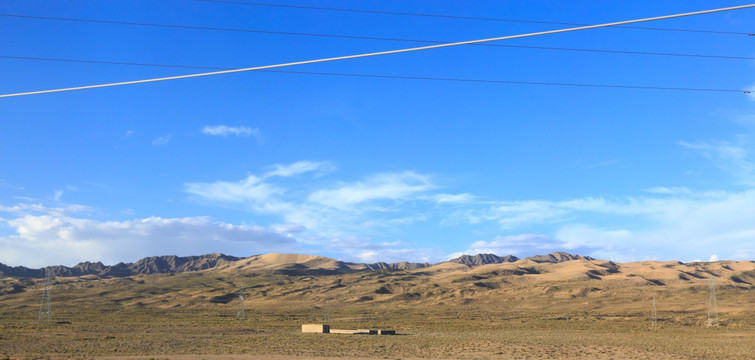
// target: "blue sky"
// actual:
[[375, 169]]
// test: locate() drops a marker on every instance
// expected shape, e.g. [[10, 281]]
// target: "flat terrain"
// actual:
[[572, 309]]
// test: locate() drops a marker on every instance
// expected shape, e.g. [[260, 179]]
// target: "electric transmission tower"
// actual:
[[240, 310], [655, 314], [44, 309], [712, 306]]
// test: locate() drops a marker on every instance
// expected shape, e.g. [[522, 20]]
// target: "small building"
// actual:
[[325, 329], [354, 332], [315, 328]]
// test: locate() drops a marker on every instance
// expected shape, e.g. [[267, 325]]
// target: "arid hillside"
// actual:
[[553, 306]]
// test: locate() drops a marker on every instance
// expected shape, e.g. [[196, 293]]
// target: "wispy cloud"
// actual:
[[603, 163], [239, 131], [300, 167], [249, 190], [453, 198], [385, 186], [39, 208], [511, 214], [736, 157], [670, 190], [324, 209], [162, 140]]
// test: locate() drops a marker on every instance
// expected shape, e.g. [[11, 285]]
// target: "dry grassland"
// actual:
[[446, 312]]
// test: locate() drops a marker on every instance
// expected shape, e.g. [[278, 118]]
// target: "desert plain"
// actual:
[[556, 307]]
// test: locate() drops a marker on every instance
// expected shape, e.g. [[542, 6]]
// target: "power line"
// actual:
[[360, 37], [513, 82], [460, 17], [401, 77], [380, 53], [134, 23]]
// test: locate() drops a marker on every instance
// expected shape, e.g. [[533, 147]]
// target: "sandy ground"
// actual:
[[240, 357]]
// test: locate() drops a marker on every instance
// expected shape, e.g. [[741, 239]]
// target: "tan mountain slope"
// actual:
[[288, 263]]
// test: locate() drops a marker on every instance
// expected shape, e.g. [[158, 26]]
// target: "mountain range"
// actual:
[[287, 264]]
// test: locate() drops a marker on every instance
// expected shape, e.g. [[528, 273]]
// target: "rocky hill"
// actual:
[[403, 265], [483, 259], [149, 265], [557, 257]]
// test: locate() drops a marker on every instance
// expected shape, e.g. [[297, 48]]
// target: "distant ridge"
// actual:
[[287, 264], [149, 265], [557, 257], [483, 259], [403, 265], [167, 264], [21, 271]]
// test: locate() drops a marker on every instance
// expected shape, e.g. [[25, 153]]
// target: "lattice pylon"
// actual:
[[655, 314], [240, 315], [712, 306], [45, 309]]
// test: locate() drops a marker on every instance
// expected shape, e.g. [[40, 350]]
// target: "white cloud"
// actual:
[[680, 222], [252, 189], [453, 198], [68, 240], [321, 210], [686, 227], [385, 186], [162, 140], [225, 131], [299, 167], [713, 258]]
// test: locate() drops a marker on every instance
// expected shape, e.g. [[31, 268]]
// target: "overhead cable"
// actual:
[[402, 77], [192, 27], [380, 53], [459, 16]]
